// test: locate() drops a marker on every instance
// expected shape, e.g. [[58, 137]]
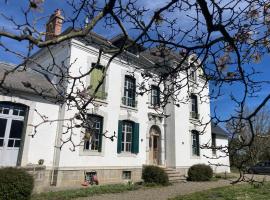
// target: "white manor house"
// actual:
[[143, 136]]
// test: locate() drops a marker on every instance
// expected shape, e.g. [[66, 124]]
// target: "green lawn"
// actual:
[[236, 192], [85, 192]]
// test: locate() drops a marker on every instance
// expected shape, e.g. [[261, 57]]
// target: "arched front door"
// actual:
[[154, 146], [11, 129]]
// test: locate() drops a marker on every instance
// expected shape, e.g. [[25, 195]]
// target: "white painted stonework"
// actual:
[[175, 131]]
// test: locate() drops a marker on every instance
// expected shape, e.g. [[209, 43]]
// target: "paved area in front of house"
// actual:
[[163, 193]]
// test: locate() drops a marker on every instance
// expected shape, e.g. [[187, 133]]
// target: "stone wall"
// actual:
[[73, 178]]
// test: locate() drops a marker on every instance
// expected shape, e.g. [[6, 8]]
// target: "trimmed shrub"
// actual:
[[15, 184], [154, 174], [200, 172]]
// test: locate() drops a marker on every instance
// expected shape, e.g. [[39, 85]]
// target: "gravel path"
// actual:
[[163, 193]]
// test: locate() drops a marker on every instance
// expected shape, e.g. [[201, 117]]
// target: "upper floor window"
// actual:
[[155, 96], [214, 145], [95, 79], [194, 107], [192, 73], [94, 130], [128, 137], [129, 91], [195, 143]]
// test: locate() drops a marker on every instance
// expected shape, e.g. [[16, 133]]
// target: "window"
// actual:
[[128, 137], [95, 130], [195, 143], [126, 175], [129, 91], [214, 145], [155, 96], [194, 107], [192, 75], [96, 77]]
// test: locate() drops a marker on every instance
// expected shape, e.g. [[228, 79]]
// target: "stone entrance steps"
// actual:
[[174, 176]]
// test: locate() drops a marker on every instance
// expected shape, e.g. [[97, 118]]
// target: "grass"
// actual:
[[219, 176], [85, 192], [91, 191], [236, 192]]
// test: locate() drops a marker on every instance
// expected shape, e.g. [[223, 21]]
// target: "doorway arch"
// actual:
[[155, 145]]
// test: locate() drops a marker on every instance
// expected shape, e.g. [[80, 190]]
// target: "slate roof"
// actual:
[[26, 81], [216, 129], [144, 59]]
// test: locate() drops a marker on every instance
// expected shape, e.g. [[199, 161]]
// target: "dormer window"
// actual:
[[192, 74]]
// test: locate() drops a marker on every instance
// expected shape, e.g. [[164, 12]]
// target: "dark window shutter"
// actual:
[[119, 137], [135, 138], [100, 135]]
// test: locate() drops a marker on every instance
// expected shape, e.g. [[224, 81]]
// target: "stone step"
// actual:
[[174, 176]]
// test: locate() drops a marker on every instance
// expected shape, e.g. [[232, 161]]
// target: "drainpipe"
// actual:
[[57, 151]]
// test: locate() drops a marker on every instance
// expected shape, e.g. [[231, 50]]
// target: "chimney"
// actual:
[[54, 25]]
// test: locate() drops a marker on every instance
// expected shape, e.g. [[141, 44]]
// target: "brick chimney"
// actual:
[[54, 25]]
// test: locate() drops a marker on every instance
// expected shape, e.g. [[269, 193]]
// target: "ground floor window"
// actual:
[[128, 137], [95, 130], [195, 143]]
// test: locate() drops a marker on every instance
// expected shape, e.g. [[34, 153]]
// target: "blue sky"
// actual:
[[223, 105]]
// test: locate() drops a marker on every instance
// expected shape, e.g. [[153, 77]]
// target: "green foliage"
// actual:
[[154, 174], [200, 172], [15, 184], [235, 192]]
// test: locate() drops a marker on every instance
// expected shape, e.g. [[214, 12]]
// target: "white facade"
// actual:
[[175, 132]]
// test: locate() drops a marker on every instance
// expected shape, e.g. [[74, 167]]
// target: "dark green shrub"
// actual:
[[200, 172], [154, 174], [15, 184]]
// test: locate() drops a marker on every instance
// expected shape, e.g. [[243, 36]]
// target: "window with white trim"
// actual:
[[195, 143], [129, 92], [127, 129], [94, 130]]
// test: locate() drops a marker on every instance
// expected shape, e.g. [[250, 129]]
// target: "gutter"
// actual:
[[57, 150]]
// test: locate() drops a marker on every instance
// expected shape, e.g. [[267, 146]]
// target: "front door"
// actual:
[[11, 129], [154, 146]]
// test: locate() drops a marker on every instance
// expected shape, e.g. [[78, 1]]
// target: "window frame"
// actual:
[[214, 144], [126, 175], [124, 132], [129, 95], [194, 107], [192, 73], [97, 147], [195, 144], [155, 98]]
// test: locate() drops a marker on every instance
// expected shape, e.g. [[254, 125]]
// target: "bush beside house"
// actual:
[[15, 184], [200, 172], [154, 174]]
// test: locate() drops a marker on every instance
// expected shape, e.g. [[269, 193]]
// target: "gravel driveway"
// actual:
[[163, 193]]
